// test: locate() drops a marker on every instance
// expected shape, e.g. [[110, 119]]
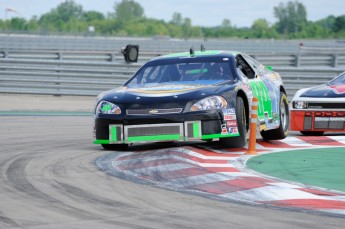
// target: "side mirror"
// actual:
[[130, 53]]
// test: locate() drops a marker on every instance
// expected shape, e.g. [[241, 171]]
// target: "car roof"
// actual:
[[209, 53]]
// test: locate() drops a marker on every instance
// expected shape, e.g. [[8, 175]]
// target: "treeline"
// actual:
[[128, 19]]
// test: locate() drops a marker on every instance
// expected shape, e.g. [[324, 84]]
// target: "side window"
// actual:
[[245, 67], [252, 62]]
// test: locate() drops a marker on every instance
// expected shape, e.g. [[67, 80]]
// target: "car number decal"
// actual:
[[265, 104]]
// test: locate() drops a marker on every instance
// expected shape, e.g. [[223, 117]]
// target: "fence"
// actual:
[[61, 72]]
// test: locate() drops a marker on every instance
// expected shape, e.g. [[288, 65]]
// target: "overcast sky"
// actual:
[[202, 12]]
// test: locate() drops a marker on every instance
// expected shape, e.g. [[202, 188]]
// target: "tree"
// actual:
[[90, 16], [226, 23], [68, 10], [177, 19], [339, 23], [128, 10], [17, 24], [262, 29], [327, 23], [187, 28], [292, 17], [57, 19]]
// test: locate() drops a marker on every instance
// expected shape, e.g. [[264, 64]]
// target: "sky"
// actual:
[[241, 13]]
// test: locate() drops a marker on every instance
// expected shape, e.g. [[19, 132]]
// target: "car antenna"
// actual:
[[191, 51], [202, 48]]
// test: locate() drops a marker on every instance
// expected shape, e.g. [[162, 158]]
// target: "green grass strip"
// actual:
[[322, 167]]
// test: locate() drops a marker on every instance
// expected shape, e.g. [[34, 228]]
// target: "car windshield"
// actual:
[[201, 73], [339, 80]]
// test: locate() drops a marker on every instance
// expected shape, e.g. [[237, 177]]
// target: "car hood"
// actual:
[[160, 96], [331, 91]]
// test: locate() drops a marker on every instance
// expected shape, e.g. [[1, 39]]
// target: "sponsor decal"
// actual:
[[248, 91], [246, 88], [334, 119], [228, 111], [338, 89], [327, 114], [229, 117], [231, 123], [277, 83], [224, 130], [326, 119], [321, 119], [233, 130]]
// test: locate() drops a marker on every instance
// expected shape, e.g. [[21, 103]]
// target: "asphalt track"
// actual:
[[49, 179]]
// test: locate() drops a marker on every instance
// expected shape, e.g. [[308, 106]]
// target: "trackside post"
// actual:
[[252, 127]]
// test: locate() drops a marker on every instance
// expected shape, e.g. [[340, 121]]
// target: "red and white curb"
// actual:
[[222, 174]]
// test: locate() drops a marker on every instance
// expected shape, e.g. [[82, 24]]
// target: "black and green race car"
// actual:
[[193, 96]]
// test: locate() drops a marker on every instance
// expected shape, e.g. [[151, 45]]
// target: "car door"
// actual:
[[260, 87]]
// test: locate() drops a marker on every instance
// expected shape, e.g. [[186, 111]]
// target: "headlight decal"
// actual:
[[105, 107]]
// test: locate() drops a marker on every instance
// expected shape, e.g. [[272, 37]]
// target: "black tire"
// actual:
[[312, 133], [119, 147], [239, 141], [282, 131]]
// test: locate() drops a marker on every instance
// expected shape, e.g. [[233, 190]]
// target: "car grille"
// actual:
[[326, 105], [154, 132], [335, 123], [153, 111], [322, 120]]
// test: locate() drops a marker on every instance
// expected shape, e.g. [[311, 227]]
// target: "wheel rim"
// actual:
[[244, 121], [283, 115]]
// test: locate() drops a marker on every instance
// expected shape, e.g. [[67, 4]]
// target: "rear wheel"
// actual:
[[239, 141], [312, 133], [282, 131]]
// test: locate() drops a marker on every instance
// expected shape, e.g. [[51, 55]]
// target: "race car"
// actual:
[[193, 96], [319, 109]]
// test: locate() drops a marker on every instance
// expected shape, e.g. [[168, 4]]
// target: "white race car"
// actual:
[[319, 109]]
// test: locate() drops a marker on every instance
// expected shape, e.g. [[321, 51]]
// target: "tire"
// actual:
[[120, 147], [312, 133], [282, 131], [239, 141]]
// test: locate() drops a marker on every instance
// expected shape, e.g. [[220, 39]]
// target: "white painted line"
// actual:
[[200, 179], [163, 168], [270, 193], [340, 139], [293, 141]]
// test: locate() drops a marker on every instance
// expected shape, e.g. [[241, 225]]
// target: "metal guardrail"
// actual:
[[59, 72]]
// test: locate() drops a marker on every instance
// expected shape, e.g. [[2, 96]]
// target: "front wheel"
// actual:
[[239, 141], [282, 131]]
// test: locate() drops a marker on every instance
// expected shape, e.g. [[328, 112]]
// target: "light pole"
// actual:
[[9, 10], [5, 20]]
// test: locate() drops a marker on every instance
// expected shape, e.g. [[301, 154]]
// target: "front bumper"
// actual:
[[316, 120], [110, 129]]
